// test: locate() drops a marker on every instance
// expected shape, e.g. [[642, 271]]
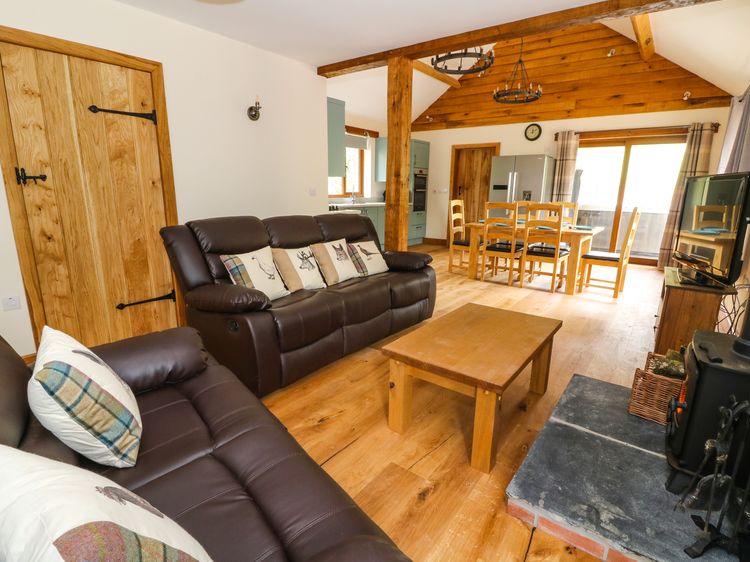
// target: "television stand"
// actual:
[[684, 309]]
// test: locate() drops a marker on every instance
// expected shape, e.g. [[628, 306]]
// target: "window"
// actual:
[[358, 161], [615, 176]]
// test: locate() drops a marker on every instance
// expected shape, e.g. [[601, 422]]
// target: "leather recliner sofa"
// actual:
[[212, 457], [271, 344]]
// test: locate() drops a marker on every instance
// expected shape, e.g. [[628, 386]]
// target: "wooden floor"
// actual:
[[419, 486]]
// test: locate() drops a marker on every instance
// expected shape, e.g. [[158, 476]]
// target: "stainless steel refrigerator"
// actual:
[[522, 178]]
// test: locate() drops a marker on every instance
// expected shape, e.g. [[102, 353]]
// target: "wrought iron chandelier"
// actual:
[[478, 60], [518, 87]]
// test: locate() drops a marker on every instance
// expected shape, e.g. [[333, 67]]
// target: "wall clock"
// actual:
[[533, 132]]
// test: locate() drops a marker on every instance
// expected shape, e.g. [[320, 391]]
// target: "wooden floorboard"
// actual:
[[418, 486]]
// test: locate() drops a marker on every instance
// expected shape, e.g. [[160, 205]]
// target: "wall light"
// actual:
[[253, 112]]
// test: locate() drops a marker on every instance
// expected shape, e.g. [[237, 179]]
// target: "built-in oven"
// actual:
[[420, 189]]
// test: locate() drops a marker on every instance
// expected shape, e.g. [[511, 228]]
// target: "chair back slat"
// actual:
[[635, 216], [457, 224], [701, 221], [544, 224], [500, 227]]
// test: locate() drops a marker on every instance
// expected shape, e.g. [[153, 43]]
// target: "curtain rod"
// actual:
[[714, 127]]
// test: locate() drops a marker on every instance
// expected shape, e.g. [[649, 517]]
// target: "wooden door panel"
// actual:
[[95, 222], [32, 147], [473, 168]]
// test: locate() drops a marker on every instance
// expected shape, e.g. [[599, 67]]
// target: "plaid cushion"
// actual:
[[357, 260], [237, 271], [93, 408], [105, 540]]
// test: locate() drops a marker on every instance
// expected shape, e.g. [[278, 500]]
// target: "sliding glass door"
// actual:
[[617, 176]]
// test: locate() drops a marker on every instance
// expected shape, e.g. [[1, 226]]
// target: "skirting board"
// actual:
[[435, 241]]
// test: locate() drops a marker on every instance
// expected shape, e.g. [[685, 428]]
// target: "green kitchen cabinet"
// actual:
[[419, 157], [420, 154], [417, 226], [336, 138], [377, 216]]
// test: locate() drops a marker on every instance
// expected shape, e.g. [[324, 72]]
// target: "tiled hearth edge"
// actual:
[[553, 525]]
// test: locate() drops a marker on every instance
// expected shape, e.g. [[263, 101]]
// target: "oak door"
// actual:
[[471, 179], [95, 219]]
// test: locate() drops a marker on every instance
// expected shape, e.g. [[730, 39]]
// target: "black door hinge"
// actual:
[[151, 116]]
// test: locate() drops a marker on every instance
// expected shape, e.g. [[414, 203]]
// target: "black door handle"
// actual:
[[22, 178]]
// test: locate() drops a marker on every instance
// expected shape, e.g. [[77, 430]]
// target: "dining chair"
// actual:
[[542, 243], [619, 260], [499, 237], [457, 233], [719, 216]]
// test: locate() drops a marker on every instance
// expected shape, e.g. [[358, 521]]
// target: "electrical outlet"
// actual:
[[11, 303], [312, 192]]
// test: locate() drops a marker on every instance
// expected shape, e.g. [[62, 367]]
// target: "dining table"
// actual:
[[578, 237]]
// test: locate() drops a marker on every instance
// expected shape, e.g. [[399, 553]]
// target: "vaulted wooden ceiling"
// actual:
[[581, 76]]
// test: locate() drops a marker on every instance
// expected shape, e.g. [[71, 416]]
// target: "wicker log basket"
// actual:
[[652, 392]]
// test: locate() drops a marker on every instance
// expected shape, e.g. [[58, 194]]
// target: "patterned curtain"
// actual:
[[566, 152], [694, 163]]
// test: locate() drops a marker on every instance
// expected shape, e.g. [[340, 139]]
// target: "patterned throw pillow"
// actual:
[[367, 258], [256, 270], [334, 261], [54, 511], [80, 399], [298, 268]]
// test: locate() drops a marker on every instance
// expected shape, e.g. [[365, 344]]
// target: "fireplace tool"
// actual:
[[719, 491]]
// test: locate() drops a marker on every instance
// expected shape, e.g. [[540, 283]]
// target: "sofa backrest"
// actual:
[[195, 249], [14, 406]]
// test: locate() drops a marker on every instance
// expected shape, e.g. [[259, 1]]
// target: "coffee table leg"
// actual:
[[483, 443], [399, 397], [540, 369]]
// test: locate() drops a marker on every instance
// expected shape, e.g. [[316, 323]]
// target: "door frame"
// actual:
[[454, 155], [628, 144], [8, 160]]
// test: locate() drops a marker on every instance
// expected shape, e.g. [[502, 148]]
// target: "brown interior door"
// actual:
[[95, 220], [471, 181]]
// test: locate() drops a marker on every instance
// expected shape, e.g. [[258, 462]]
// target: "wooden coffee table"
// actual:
[[477, 351]]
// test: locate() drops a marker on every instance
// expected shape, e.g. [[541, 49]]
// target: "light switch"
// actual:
[[11, 303]]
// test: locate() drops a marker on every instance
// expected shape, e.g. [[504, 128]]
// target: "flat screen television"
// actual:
[[712, 228]]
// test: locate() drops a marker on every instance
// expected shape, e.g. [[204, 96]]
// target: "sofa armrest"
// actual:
[[226, 298], [362, 548], [151, 361], [407, 261]]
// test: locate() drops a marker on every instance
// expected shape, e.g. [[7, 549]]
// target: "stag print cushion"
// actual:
[[52, 511], [334, 261], [367, 258], [80, 399], [298, 268], [256, 270]]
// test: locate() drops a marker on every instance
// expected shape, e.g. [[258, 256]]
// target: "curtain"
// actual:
[[565, 153], [694, 163], [737, 144]]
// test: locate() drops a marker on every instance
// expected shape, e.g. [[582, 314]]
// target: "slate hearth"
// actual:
[[595, 478]]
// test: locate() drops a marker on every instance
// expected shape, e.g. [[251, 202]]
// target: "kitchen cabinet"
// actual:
[[419, 157], [336, 138], [417, 226]]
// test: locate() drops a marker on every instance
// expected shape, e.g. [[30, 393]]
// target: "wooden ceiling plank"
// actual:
[[643, 35], [426, 69], [581, 15]]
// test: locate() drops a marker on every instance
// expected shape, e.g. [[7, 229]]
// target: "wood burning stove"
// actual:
[[714, 371]]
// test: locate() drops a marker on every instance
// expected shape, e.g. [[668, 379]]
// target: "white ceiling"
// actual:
[[326, 31], [710, 40]]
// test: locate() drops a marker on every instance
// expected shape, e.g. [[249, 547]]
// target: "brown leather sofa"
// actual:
[[212, 457], [267, 344]]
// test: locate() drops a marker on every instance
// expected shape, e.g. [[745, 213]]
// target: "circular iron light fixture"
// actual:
[[479, 61], [518, 87]]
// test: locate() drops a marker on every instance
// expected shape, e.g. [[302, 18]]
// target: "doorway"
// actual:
[[617, 176], [87, 169], [471, 168]]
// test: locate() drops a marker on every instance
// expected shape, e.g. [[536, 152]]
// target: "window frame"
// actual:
[[361, 192]]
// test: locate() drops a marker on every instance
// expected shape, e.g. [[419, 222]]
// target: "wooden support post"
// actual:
[[428, 70], [643, 35], [399, 136]]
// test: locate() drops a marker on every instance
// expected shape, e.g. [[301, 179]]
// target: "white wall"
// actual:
[[513, 142], [224, 163]]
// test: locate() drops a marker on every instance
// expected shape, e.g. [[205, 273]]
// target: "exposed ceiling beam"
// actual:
[[425, 68], [643, 35], [590, 13]]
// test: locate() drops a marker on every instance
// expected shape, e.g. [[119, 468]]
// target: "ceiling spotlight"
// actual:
[[686, 95], [429, 118], [611, 52]]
